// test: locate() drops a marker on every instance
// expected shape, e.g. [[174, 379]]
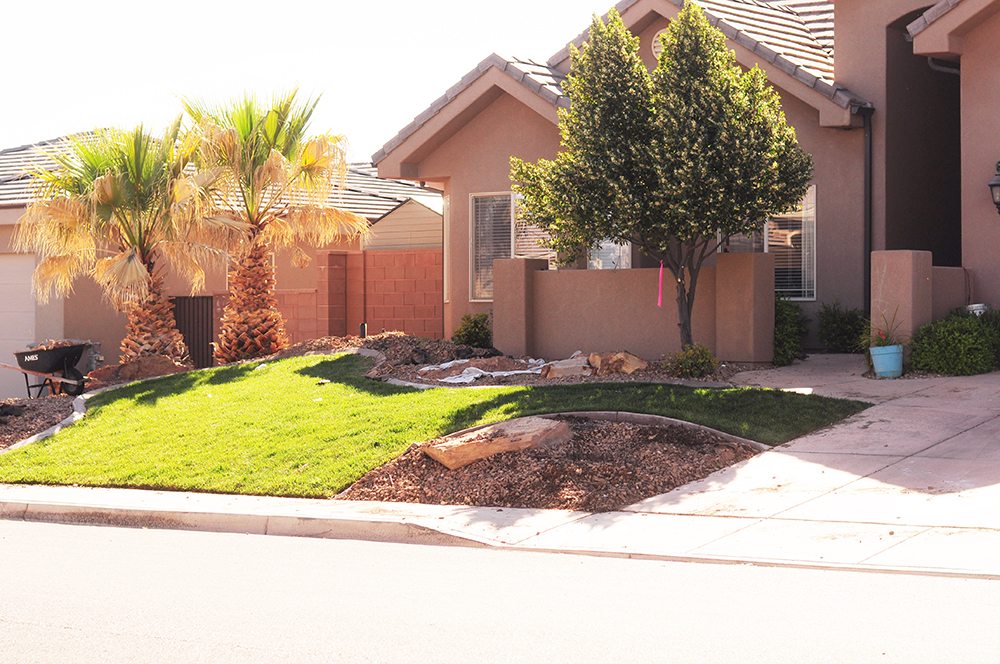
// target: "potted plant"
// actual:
[[886, 350]]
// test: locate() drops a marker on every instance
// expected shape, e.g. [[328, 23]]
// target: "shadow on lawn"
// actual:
[[149, 392]]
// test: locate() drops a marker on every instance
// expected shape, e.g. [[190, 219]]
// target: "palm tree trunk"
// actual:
[[251, 326], [151, 328]]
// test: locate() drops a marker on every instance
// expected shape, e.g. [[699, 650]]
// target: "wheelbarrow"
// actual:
[[55, 366]]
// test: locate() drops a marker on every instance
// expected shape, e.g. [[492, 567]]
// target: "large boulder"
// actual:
[[620, 362], [460, 450], [574, 367]]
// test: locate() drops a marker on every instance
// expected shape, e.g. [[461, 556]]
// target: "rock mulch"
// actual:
[[654, 373], [604, 467], [23, 418]]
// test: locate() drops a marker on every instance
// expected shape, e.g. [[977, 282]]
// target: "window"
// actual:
[[792, 239], [610, 256], [492, 226], [496, 234]]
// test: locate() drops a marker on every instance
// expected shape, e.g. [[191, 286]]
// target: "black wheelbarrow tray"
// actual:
[[55, 366]]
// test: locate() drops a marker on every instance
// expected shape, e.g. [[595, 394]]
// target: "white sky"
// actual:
[[75, 65]]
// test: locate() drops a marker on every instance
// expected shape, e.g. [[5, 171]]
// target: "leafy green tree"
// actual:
[[674, 161]]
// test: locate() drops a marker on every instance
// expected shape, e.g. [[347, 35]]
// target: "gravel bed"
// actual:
[[22, 418], [606, 466]]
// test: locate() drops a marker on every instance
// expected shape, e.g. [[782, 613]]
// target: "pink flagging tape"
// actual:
[[659, 297]]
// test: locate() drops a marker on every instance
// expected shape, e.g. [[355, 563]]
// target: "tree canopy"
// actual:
[[673, 161]]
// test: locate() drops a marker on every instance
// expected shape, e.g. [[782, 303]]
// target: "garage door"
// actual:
[[17, 317]]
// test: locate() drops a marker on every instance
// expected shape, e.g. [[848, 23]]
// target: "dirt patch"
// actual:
[[606, 466], [141, 368], [655, 373], [22, 418]]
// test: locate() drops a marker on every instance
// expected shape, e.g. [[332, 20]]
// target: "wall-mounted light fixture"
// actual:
[[994, 185]]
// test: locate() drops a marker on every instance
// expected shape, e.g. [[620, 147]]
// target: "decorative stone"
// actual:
[[620, 362], [460, 450], [571, 368]]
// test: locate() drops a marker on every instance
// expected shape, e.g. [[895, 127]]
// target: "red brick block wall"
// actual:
[[300, 311], [405, 291]]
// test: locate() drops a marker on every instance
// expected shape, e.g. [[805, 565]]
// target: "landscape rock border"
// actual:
[[728, 439]]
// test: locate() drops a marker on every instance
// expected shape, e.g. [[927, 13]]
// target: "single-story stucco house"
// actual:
[[897, 101], [390, 280]]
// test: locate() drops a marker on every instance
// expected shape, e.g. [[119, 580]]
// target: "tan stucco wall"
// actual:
[[552, 314], [573, 309], [980, 153], [860, 27], [477, 160]]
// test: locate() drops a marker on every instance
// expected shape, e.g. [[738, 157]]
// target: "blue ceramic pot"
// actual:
[[888, 361]]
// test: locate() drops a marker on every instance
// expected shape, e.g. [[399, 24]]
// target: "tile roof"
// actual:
[[364, 192], [795, 36], [930, 16]]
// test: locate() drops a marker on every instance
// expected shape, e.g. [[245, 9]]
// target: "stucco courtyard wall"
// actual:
[[908, 291], [553, 314]]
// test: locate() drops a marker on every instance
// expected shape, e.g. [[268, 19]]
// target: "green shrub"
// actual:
[[692, 362], [840, 328], [475, 330], [956, 346], [790, 327]]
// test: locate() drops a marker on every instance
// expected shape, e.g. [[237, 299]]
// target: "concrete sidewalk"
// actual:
[[911, 484]]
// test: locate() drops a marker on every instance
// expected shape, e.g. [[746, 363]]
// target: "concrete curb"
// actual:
[[399, 523]]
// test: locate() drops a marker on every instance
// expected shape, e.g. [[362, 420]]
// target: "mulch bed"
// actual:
[[606, 466], [22, 418]]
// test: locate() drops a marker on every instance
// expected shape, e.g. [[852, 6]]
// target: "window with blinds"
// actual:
[[792, 239], [492, 226], [610, 256]]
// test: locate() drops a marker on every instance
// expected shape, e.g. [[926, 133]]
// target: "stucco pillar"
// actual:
[[355, 291], [744, 307], [902, 289], [513, 304]]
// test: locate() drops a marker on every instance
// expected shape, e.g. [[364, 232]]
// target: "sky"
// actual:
[[76, 65]]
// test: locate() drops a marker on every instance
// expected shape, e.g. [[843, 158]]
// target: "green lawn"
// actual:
[[310, 426]]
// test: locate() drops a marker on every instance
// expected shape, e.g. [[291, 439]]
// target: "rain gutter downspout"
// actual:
[[866, 113]]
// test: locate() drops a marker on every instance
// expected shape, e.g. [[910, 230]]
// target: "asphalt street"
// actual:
[[99, 594]]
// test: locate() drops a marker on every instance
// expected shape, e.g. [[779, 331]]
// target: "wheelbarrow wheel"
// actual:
[[73, 389]]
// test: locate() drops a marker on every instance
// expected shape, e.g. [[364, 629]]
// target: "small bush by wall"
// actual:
[[841, 329], [475, 330], [692, 362], [961, 345], [790, 328]]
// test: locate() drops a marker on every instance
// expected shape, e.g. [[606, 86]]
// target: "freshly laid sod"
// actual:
[[311, 426]]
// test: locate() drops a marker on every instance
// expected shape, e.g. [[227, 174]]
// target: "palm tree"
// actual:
[[277, 181], [115, 205]]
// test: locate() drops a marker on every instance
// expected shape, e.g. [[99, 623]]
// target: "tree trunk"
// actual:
[[684, 314], [251, 325], [151, 328]]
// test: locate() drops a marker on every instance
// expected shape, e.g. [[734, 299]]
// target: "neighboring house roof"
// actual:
[[931, 15], [796, 36], [364, 192]]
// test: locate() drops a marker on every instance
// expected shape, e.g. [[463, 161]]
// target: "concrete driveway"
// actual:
[[912, 483]]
